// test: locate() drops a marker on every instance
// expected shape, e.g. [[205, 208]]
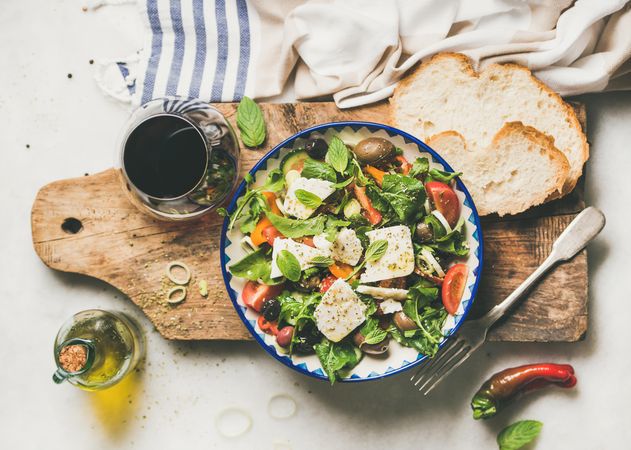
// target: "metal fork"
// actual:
[[472, 334]]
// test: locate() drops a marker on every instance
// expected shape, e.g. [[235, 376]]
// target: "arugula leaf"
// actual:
[[251, 123], [337, 154], [255, 266], [423, 292], [323, 261], [443, 177], [317, 169], [309, 199], [288, 265], [294, 310], [453, 243], [337, 356], [274, 182], [430, 321], [405, 195], [419, 167], [292, 228], [372, 332], [517, 435]]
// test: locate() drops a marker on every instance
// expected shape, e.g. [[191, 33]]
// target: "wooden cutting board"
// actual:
[[87, 225]]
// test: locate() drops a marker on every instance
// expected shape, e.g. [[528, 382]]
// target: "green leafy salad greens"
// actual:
[[347, 249]]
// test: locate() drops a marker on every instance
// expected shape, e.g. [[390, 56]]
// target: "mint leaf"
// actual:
[[323, 261], [293, 228], [288, 265], [308, 199], [376, 250], [317, 169], [337, 356], [251, 123], [337, 155], [517, 435]]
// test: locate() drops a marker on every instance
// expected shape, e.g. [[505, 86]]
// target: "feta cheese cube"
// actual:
[[398, 261], [303, 253], [347, 248], [292, 205], [339, 312]]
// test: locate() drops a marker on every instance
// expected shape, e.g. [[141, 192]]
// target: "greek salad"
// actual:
[[351, 247]]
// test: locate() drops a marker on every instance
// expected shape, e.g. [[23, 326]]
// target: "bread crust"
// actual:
[[538, 138], [467, 67]]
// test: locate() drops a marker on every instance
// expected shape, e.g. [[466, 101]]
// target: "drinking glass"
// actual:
[[178, 158]]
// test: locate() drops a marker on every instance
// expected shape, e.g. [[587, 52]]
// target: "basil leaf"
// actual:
[[251, 123], [336, 356], [419, 167], [309, 199], [292, 228], [288, 265], [376, 250], [323, 261], [517, 435], [337, 154], [443, 177], [317, 169], [255, 266]]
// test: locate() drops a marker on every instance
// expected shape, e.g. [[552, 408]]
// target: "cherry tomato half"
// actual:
[[254, 294], [453, 287], [270, 234], [266, 326], [445, 200], [327, 282]]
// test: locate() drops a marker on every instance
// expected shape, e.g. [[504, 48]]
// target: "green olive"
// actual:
[[373, 149]]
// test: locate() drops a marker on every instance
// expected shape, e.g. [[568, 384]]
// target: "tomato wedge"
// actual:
[[453, 287], [327, 283], [445, 200], [373, 216], [254, 294], [271, 233]]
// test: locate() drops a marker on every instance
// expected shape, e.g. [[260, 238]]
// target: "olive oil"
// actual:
[[95, 349]]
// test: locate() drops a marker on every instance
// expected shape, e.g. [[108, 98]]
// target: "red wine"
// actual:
[[165, 157]]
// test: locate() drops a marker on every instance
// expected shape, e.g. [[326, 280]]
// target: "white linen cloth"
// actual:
[[357, 50]]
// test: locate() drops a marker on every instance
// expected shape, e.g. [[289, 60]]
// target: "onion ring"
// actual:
[[181, 265]]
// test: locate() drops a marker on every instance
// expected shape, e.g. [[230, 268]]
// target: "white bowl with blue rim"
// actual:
[[398, 358]]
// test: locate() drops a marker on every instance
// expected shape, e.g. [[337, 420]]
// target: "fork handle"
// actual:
[[574, 238]]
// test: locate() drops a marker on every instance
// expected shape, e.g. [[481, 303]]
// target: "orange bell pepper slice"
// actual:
[[257, 235], [376, 174], [341, 270]]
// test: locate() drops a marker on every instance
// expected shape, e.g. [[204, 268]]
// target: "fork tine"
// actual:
[[435, 364], [442, 363], [429, 363], [447, 369]]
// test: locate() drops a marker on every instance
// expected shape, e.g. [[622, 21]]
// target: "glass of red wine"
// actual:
[[179, 158]]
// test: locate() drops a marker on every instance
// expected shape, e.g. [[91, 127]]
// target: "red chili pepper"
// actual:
[[266, 326], [507, 385], [373, 216]]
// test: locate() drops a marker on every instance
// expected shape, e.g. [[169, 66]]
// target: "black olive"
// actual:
[[271, 309], [306, 338], [316, 147], [424, 232]]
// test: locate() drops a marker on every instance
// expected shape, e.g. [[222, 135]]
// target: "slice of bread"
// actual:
[[520, 168], [446, 93]]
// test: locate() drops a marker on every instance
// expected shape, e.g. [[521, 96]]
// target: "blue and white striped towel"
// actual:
[[193, 48], [357, 50]]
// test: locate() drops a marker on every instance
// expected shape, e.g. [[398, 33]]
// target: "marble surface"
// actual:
[[56, 127]]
